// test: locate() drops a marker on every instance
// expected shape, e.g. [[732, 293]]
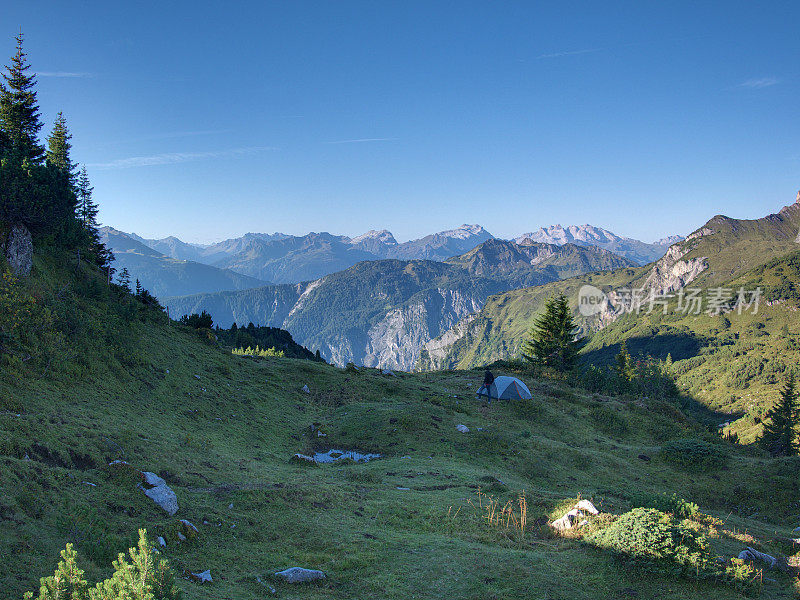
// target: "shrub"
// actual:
[[658, 541], [259, 352], [692, 454], [669, 504], [146, 577]]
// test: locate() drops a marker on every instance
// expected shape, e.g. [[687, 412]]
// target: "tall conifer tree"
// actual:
[[780, 423], [552, 340], [59, 147], [19, 111]]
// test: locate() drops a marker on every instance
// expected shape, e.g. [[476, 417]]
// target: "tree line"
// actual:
[[41, 187]]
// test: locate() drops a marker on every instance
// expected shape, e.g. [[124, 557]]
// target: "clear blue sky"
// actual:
[[207, 120]]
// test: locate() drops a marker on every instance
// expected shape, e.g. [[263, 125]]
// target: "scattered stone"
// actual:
[[404, 489], [462, 428], [188, 529], [388, 372], [586, 506], [197, 376], [90, 483], [753, 555], [181, 537], [162, 542], [305, 389], [303, 458], [230, 506], [270, 589], [203, 577], [795, 530], [300, 575]]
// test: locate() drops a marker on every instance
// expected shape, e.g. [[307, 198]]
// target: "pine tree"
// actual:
[[19, 111], [67, 583], [625, 364], [552, 340], [138, 288], [780, 423], [124, 279], [87, 207], [59, 146]]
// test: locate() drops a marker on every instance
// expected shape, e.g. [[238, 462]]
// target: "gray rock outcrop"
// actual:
[[18, 250], [300, 575]]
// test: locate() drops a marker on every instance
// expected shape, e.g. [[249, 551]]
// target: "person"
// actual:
[[486, 388]]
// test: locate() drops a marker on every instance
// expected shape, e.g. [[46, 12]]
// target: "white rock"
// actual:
[[90, 483], [388, 372], [300, 575], [587, 506], [305, 389], [197, 376], [230, 506], [164, 497], [181, 537], [162, 542], [189, 525], [204, 577], [462, 428]]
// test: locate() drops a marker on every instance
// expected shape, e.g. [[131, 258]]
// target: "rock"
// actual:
[[164, 497], [181, 537], [305, 389], [462, 428], [752, 555], [89, 483], [388, 372], [160, 492], [300, 575], [303, 458], [270, 589], [19, 250], [197, 376], [161, 542], [569, 519], [586, 506], [188, 529], [152, 479], [795, 530], [230, 506], [203, 577]]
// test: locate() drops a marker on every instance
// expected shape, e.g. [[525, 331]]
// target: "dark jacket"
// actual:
[[488, 378]]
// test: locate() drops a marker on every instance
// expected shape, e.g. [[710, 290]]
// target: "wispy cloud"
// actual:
[[568, 53], [758, 83], [169, 135], [66, 74], [363, 140], [171, 158]]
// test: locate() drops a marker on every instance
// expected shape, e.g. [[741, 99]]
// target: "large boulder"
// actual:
[[160, 493], [18, 250]]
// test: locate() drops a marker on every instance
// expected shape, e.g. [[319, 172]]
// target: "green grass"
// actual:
[[221, 430]]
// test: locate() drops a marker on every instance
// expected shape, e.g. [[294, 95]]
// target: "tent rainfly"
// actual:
[[507, 388]]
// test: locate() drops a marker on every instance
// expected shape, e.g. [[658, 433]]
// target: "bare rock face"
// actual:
[[19, 250]]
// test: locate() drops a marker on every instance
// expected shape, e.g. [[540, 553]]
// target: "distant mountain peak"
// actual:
[[463, 232], [383, 235]]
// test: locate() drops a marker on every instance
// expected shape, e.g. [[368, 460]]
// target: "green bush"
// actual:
[[692, 454], [669, 504], [659, 542], [146, 577]]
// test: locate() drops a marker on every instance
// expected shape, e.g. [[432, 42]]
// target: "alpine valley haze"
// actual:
[[246, 350]]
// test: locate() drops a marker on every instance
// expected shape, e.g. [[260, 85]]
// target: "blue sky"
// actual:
[[208, 120]]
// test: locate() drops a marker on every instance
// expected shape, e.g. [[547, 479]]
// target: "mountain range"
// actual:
[[381, 312], [279, 258]]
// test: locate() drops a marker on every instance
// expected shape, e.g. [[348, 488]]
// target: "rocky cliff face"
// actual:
[[397, 340]]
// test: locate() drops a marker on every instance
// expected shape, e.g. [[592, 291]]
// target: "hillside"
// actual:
[[380, 313], [164, 276], [731, 362], [221, 431]]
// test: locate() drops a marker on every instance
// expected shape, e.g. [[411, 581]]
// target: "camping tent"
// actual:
[[508, 388]]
